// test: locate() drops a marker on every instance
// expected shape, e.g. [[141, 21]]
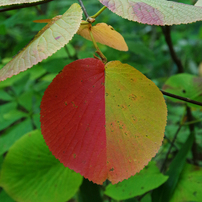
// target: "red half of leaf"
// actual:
[[73, 118]]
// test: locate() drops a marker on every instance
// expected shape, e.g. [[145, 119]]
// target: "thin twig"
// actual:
[[182, 98], [171, 146], [169, 141], [190, 118], [167, 34], [24, 5], [84, 9]]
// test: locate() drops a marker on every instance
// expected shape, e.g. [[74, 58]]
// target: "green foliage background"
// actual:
[[20, 96]]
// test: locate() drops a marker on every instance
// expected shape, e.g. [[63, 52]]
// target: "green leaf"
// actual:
[[147, 179], [10, 117], [185, 85], [155, 12], [31, 173], [5, 198], [36, 119], [141, 49], [10, 2], [189, 185], [51, 38], [5, 96], [26, 100], [165, 192], [1, 160], [14, 133]]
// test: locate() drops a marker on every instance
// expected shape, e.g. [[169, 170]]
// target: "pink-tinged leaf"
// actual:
[[51, 38], [104, 34], [73, 118], [10, 2], [155, 12], [105, 122]]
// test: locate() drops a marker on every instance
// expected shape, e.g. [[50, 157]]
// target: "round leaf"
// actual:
[[105, 122], [31, 173]]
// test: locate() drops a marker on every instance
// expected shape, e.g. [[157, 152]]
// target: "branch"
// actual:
[[24, 5], [182, 98], [84, 9], [166, 31]]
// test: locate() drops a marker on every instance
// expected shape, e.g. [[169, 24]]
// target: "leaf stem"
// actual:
[[104, 59], [99, 12]]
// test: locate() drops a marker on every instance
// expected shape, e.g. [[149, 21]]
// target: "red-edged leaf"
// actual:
[[73, 118]]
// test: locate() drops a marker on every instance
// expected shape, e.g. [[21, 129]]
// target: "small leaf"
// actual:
[[149, 178], [31, 173], [155, 12], [104, 34], [105, 122], [51, 38], [10, 2]]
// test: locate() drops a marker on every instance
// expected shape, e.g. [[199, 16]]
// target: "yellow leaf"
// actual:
[[104, 34]]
